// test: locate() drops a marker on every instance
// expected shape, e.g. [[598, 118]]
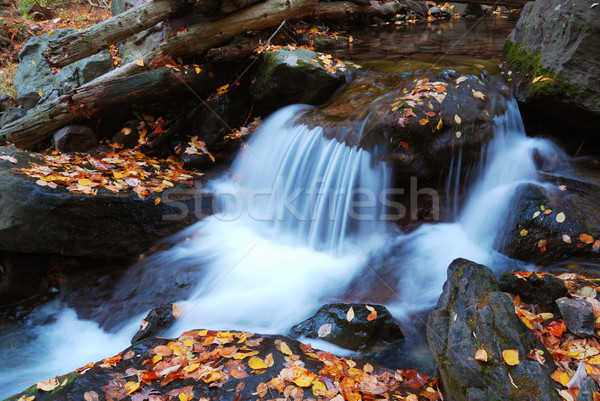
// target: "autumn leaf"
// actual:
[[478, 94], [139, 62], [586, 238], [458, 134], [324, 330], [511, 356], [561, 377], [350, 314], [566, 238], [424, 121], [368, 368], [48, 385], [481, 355], [523, 232], [285, 349], [439, 125], [8, 158], [372, 316], [132, 387], [457, 119], [90, 396], [257, 363], [460, 79]]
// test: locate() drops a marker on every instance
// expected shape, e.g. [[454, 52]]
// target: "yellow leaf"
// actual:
[[411, 397], [132, 387], [84, 182], [460, 79], [140, 62], [481, 355], [595, 360], [304, 380], [202, 333], [185, 397], [457, 119], [223, 89], [257, 363], [191, 368], [537, 79], [511, 356], [368, 368], [546, 315], [242, 355], [523, 232], [424, 121], [156, 358], [319, 389], [546, 79], [478, 95], [285, 349], [350, 40], [350, 314], [198, 70], [439, 125], [157, 201], [269, 360], [561, 377], [126, 131]]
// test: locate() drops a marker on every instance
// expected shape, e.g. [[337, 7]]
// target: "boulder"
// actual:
[[578, 316], [417, 7], [559, 40], [397, 116], [473, 11], [155, 323], [40, 219], [549, 224], [6, 102], [34, 80], [12, 114], [230, 366], [75, 138], [538, 289], [284, 77], [472, 314], [362, 332]]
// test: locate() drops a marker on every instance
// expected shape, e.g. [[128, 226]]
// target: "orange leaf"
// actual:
[[586, 238], [481, 355], [424, 121]]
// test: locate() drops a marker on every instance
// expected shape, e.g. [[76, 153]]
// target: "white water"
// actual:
[[295, 232]]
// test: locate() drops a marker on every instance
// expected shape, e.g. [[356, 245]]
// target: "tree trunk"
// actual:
[[66, 50]]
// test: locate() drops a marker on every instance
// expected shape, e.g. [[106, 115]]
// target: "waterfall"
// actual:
[[302, 217]]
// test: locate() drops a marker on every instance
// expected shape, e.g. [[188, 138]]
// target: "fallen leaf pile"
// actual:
[[216, 359], [115, 171], [332, 65], [575, 357], [423, 90]]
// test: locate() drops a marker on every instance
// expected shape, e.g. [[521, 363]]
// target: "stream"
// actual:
[[304, 222]]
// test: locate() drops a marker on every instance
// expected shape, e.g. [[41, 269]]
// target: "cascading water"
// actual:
[[301, 214]]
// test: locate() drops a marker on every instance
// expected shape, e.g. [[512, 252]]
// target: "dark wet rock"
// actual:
[[587, 388], [22, 277], [473, 10], [216, 377], [34, 80], [390, 9], [473, 314], [75, 138], [128, 136], [357, 334], [535, 231], [155, 323], [416, 7], [6, 102], [12, 114], [286, 77], [200, 162], [541, 290], [323, 43], [38, 219], [578, 316], [559, 39], [414, 149]]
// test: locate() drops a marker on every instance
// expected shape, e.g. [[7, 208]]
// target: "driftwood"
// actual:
[[66, 50]]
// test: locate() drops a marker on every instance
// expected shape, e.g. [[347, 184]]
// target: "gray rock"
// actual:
[[559, 39], [473, 314], [286, 77], [75, 138], [36, 219], [586, 389], [417, 7], [357, 334], [578, 316], [390, 9], [12, 114], [34, 80]]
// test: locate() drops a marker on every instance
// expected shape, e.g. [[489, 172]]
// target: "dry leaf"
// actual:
[[523, 232], [458, 134], [48, 385], [511, 356], [177, 311], [257, 363], [481, 355], [478, 94], [368, 368], [324, 330], [140, 62], [285, 349], [350, 314], [439, 125], [460, 79], [560, 218], [457, 119], [90, 396], [566, 238], [586, 238]]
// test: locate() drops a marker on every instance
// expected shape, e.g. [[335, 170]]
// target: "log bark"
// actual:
[[66, 50], [339, 9]]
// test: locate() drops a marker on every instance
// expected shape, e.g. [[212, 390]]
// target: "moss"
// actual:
[[527, 389], [530, 64]]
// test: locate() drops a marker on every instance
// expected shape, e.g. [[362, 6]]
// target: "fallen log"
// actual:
[[340, 9], [68, 49], [92, 99]]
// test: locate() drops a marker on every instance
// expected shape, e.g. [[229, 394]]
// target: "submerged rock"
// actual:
[[559, 40], [40, 219], [284, 77], [472, 314], [351, 326]]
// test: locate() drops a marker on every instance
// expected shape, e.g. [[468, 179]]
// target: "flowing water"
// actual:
[[303, 221]]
